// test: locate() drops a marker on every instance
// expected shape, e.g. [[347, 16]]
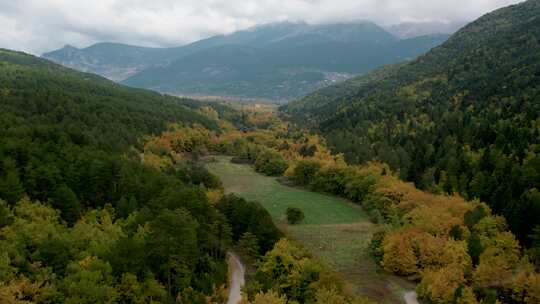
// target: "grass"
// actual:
[[334, 229], [319, 209]]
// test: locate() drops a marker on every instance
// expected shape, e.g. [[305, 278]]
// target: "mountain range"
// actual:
[[280, 61]]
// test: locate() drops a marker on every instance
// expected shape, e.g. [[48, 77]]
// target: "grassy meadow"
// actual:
[[335, 229]]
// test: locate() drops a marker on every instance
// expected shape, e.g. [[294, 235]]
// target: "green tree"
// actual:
[[304, 172], [131, 290], [126, 207], [89, 281], [475, 247], [11, 188], [173, 248], [294, 215], [248, 245], [65, 200], [5, 214]]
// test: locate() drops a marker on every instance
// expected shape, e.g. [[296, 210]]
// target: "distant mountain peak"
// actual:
[[69, 47]]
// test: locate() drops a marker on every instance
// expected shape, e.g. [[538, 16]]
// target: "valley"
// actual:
[[415, 181], [334, 229]]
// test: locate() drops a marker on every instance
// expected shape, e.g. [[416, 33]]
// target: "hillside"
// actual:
[[462, 118], [279, 61], [82, 218]]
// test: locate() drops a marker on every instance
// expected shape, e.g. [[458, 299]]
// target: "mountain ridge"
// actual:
[[297, 59]]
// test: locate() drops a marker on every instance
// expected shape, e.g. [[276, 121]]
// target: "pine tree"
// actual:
[[248, 245], [11, 188]]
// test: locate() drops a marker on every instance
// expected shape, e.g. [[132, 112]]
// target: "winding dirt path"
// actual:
[[236, 278], [411, 297]]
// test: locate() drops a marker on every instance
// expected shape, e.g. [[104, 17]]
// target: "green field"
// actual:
[[335, 229]]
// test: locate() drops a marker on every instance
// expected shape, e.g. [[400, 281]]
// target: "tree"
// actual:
[[5, 214], [440, 285], [270, 163], [270, 297], [497, 262], [11, 188], [65, 200], [245, 216], [89, 281], [399, 253], [129, 254], [248, 245], [173, 248], [131, 290], [126, 207], [294, 215], [304, 172], [55, 253], [326, 296], [475, 247], [534, 251], [472, 217]]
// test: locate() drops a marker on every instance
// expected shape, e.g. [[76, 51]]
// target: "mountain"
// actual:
[[279, 61], [415, 29], [463, 118], [112, 60]]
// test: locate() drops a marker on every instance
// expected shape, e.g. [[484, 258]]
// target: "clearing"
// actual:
[[335, 229]]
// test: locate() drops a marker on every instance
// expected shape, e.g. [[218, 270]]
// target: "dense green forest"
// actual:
[[463, 118], [82, 219]]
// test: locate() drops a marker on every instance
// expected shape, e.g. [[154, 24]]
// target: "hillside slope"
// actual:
[[461, 118], [75, 193]]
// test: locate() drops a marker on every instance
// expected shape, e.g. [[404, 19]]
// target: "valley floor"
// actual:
[[335, 229]]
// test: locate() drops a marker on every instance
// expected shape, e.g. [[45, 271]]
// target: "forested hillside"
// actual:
[[464, 118], [82, 218]]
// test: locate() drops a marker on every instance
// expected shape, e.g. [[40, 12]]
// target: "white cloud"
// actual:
[[41, 25]]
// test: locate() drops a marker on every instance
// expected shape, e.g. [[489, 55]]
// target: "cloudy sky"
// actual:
[[37, 26]]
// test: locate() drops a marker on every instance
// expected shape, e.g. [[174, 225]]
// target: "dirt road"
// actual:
[[236, 278], [410, 297]]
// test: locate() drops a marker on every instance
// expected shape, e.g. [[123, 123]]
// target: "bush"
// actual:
[[294, 215], [271, 163], [375, 245], [305, 171]]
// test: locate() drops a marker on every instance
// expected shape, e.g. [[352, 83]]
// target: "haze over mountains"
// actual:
[[279, 61], [415, 29]]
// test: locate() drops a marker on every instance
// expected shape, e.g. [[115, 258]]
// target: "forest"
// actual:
[[458, 251], [82, 218], [463, 118]]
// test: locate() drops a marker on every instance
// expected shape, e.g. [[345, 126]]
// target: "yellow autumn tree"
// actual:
[[525, 287], [440, 285], [270, 297], [497, 262], [399, 254]]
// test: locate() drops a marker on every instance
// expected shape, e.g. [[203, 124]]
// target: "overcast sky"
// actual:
[[38, 26]]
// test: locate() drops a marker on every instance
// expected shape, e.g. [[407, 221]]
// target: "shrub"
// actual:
[[294, 215], [305, 171]]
